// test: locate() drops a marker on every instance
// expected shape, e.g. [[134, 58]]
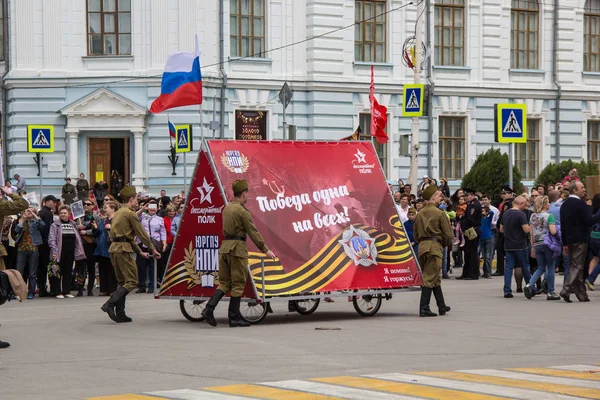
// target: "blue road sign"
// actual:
[[40, 138], [183, 138], [412, 106], [511, 123]]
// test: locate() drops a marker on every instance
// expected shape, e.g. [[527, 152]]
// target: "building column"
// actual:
[[139, 179], [73, 153]]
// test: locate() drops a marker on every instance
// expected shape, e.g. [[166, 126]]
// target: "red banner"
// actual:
[[324, 208]]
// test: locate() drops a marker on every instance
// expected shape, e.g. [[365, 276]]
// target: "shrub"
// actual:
[[554, 173], [489, 174]]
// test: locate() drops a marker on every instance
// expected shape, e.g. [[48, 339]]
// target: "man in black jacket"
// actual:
[[471, 219], [576, 223], [47, 215]]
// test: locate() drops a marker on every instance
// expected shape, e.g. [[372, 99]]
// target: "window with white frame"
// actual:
[[591, 36], [524, 34], [451, 145], [527, 155], [370, 30], [593, 142], [365, 134], [247, 28], [450, 32], [109, 27]]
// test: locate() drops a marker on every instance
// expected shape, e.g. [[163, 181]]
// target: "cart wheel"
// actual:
[[307, 306], [367, 305], [253, 312], [192, 310]]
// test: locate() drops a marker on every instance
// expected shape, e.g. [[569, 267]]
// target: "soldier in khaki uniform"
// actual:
[[125, 227], [433, 232], [8, 207], [233, 256], [15, 205]]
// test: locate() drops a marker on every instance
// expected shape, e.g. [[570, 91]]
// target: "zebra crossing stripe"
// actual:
[[590, 375], [333, 390], [187, 394], [468, 386], [406, 388], [264, 392], [524, 381], [579, 368]]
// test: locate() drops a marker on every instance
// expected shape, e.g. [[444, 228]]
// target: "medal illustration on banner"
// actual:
[[359, 246], [408, 53]]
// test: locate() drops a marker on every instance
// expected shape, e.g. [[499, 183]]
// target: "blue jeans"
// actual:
[[487, 250], [145, 271], [520, 257], [546, 264], [594, 275], [566, 265], [27, 263]]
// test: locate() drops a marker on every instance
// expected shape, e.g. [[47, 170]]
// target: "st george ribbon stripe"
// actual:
[[485, 388], [328, 263], [334, 390]]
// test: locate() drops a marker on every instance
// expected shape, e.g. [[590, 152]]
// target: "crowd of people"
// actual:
[[59, 256], [523, 234]]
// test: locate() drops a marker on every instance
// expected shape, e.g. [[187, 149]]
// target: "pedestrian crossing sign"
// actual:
[[511, 123], [412, 105], [40, 138], [183, 139]]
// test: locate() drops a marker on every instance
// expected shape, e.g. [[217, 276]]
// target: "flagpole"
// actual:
[[415, 127]]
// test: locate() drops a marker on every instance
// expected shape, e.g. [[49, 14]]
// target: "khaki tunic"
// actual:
[[126, 224], [431, 222], [233, 254], [7, 207]]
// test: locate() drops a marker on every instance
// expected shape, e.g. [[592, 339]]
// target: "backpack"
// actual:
[[5, 288]]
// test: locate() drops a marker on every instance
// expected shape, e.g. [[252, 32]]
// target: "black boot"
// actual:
[[424, 310], [439, 299], [207, 313], [111, 303], [120, 311], [235, 319]]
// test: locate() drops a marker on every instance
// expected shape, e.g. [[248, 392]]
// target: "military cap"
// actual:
[[412, 210], [239, 186], [468, 191], [429, 192], [127, 192]]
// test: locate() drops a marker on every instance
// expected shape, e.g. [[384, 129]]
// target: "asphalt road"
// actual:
[[69, 349]]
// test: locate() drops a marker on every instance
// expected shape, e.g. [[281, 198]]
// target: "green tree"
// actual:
[[554, 173], [489, 174]]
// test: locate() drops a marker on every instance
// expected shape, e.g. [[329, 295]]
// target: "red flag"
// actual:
[[378, 114]]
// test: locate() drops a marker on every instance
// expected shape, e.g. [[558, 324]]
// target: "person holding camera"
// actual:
[[28, 236]]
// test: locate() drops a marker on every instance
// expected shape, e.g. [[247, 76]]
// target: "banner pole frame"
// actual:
[[412, 250]]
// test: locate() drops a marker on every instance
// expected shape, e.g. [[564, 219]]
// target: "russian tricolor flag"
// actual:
[[181, 82], [172, 130]]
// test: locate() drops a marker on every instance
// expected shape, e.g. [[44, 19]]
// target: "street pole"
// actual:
[[415, 130], [510, 164], [284, 132]]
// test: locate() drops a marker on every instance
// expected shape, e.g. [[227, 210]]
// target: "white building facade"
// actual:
[[92, 68]]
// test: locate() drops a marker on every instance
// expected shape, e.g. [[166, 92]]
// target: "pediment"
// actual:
[[103, 102]]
